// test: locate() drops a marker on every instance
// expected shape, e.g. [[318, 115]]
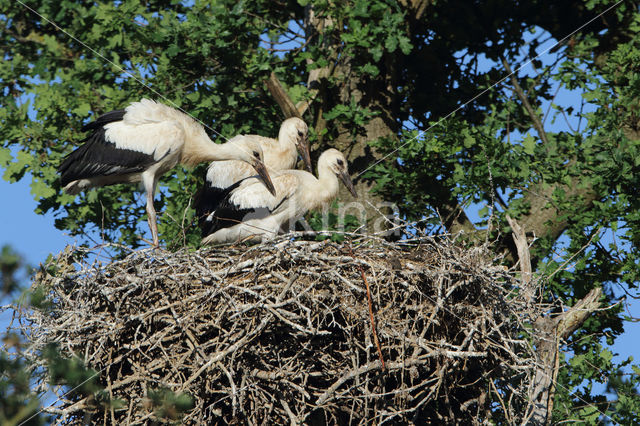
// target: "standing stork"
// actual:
[[141, 143], [248, 210], [279, 154]]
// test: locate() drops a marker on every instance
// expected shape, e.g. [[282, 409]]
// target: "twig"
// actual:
[[242, 328], [370, 302], [537, 124], [520, 240]]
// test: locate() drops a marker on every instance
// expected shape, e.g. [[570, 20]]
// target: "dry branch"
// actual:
[[548, 332], [520, 240], [279, 332], [535, 119], [282, 98]]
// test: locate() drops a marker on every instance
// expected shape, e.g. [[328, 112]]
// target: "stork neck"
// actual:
[[198, 148], [285, 138], [327, 184], [287, 150]]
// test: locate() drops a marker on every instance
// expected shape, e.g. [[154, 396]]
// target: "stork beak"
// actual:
[[303, 149], [262, 172], [346, 179]]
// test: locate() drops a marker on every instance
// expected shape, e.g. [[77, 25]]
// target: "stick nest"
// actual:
[[282, 333]]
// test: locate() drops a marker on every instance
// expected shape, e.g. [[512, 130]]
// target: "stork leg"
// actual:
[[150, 189]]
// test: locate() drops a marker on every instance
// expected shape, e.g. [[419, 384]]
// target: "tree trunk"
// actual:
[[548, 332], [361, 156]]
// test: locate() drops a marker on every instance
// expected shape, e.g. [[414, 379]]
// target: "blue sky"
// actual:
[[32, 235]]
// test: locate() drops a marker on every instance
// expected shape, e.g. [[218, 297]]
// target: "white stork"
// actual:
[[279, 154], [144, 141], [249, 211]]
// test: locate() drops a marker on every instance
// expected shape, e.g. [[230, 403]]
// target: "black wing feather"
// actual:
[[215, 210], [99, 157], [109, 117], [207, 200]]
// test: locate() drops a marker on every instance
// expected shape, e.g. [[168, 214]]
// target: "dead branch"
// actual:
[[520, 240], [535, 119], [277, 332], [549, 332], [281, 96]]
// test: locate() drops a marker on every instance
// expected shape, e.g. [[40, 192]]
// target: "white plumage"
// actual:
[[144, 141], [279, 154], [248, 210]]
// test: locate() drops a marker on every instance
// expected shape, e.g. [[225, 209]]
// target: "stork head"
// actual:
[[250, 151], [337, 163], [297, 130]]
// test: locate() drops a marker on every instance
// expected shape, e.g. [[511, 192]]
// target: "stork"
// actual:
[[141, 143], [279, 154], [249, 211]]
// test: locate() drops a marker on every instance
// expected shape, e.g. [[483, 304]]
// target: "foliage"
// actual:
[[169, 405], [327, 220], [494, 156], [18, 404], [69, 371], [12, 270], [384, 77]]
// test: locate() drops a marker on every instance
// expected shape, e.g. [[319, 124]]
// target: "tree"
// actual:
[[18, 404], [379, 80]]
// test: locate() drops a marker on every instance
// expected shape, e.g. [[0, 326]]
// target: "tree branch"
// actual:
[[545, 219], [520, 240], [282, 98], [548, 332], [571, 320], [542, 218], [537, 123], [416, 6]]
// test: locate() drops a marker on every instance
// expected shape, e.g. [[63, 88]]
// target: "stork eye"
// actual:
[[299, 133], [340, 163], [256, 154]]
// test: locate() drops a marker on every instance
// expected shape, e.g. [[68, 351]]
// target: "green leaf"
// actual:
[[5, 156], [41, 189], [82, 110], [529, 144]]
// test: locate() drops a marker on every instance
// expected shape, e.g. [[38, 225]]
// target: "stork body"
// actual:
[[142, 142], [279, 154], [249, 211]]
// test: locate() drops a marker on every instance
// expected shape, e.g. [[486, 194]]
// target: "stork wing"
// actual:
[[248, 199], [252, 194], [126, 141], [223, 177], [223, 174], [146, 111], [98, 157], [106, 118]]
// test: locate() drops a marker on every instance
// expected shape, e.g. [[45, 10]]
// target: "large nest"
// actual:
[[282, 332]]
